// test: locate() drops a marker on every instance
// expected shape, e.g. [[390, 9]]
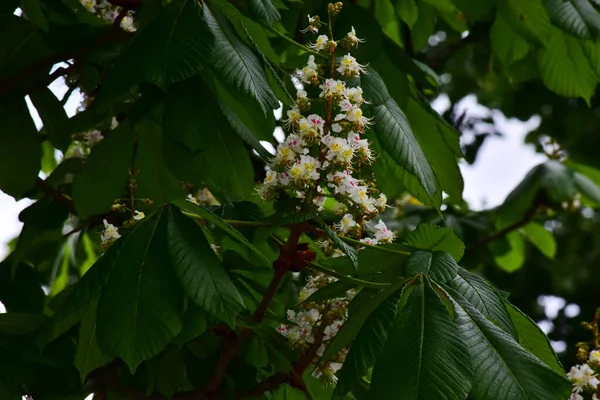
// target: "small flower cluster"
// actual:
[[305, 322], [203, 197], [109, 13], [111, 232], [584, 377]]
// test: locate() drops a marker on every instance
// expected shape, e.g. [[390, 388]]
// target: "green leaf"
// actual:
[[171, 373], [506, 44], [588, 13], [352, 326], [407, 11], [194, 324], [154, 181], [513, 259], [425, 356], [208, 215], [564, 67], [474, 10], [145, 323], [203, 278], [101, 182], [527, 18], [438, 265], [588, 188], [20, 323], [431, 237], [400, 145], [501, 367], [287, 392], [88, 356], [53, 116], [368, 344], [264, 9], [20, 150], [187, 121], [541, 238], [564, 15], [484, 298], [256, 353], [532, 339], [348, 250], [174, 46], [32, 9], [237, 63]]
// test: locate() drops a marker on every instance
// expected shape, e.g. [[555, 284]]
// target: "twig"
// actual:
[[68, 94], [524, 220], [53, 193]]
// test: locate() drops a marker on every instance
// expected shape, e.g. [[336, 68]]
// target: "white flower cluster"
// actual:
[[203, 197], [584, 377], [306, 321], [83, 144], [111, 232], [109, 13]]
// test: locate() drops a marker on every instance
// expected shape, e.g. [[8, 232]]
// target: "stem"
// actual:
[[342, 277], [294, 43], [524, 220], [372, 246]]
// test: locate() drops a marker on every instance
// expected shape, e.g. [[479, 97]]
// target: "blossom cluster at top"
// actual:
[[109, 13], [584, 377], [325, 149]]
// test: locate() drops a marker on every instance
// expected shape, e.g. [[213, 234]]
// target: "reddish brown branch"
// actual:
[[53, 193]]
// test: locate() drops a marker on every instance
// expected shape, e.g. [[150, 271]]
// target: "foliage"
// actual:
[[270, 281]]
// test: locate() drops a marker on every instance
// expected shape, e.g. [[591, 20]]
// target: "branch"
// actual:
[[524, 220], [53, 193]]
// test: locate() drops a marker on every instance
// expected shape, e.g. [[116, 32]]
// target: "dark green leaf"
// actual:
[[431, 237], [237, 63], [340, 244], [171, 373], [145, 323], [532, 339], [194, 324], [588, 13], [368, 344], [588, 188], [34, 13], [89, 356], [200, 272], [264, 9], [438, 265], [566, 16], [101, 182], [20, 149], [425, 356], [20, 323], [507, 45], [53, 116], [484, 298]]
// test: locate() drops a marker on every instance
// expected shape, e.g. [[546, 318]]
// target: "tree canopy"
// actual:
[[256, 199]]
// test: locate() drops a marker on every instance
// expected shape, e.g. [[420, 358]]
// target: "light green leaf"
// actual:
[[174, 46], [514, 258], [88, 355], [205, 281], [21, 323], [190, 122], [145, 323], [265, 10], [588, 189], [532, 339], [209, 216], [438, 265], [431, 237], [474, 10], [541, 238], [101, 182], [506, 44], [527, 18], [564, 67], [564, 15], [444, 6], [425, 356], [237, 63], [20, 150], [407, 11], [502, 369], [368, 344]]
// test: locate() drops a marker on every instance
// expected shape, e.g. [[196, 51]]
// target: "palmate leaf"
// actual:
[[438, 265], [565, 15], [507, 45], [88, 355], [431, 237], [237, 63], [502, 369], [175, 46], [528, 18], [425, 356], [199, 270], [264, 9], [145, 322]]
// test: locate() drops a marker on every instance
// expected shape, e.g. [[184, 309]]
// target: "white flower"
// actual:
[[127, 24], [215, 248], [360, 196], [301, 94], [370, 241], [321, 349], [355, 95], [311, 165], [581, 376], [346, 105], [381, 202], [594, 358], [383, 234], [282, 329], [90, 5], [110, 233], [138, 215], [296, 172], [293, 116], [576, 396], [312, 25], [345, 223], [349, 66], [320, 44], [332, 87], [192, 199], [351, 36], [317, 122], [337, 128], [309, 73], [307, 129], [285, 154], [75, 151], [291, 315]]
